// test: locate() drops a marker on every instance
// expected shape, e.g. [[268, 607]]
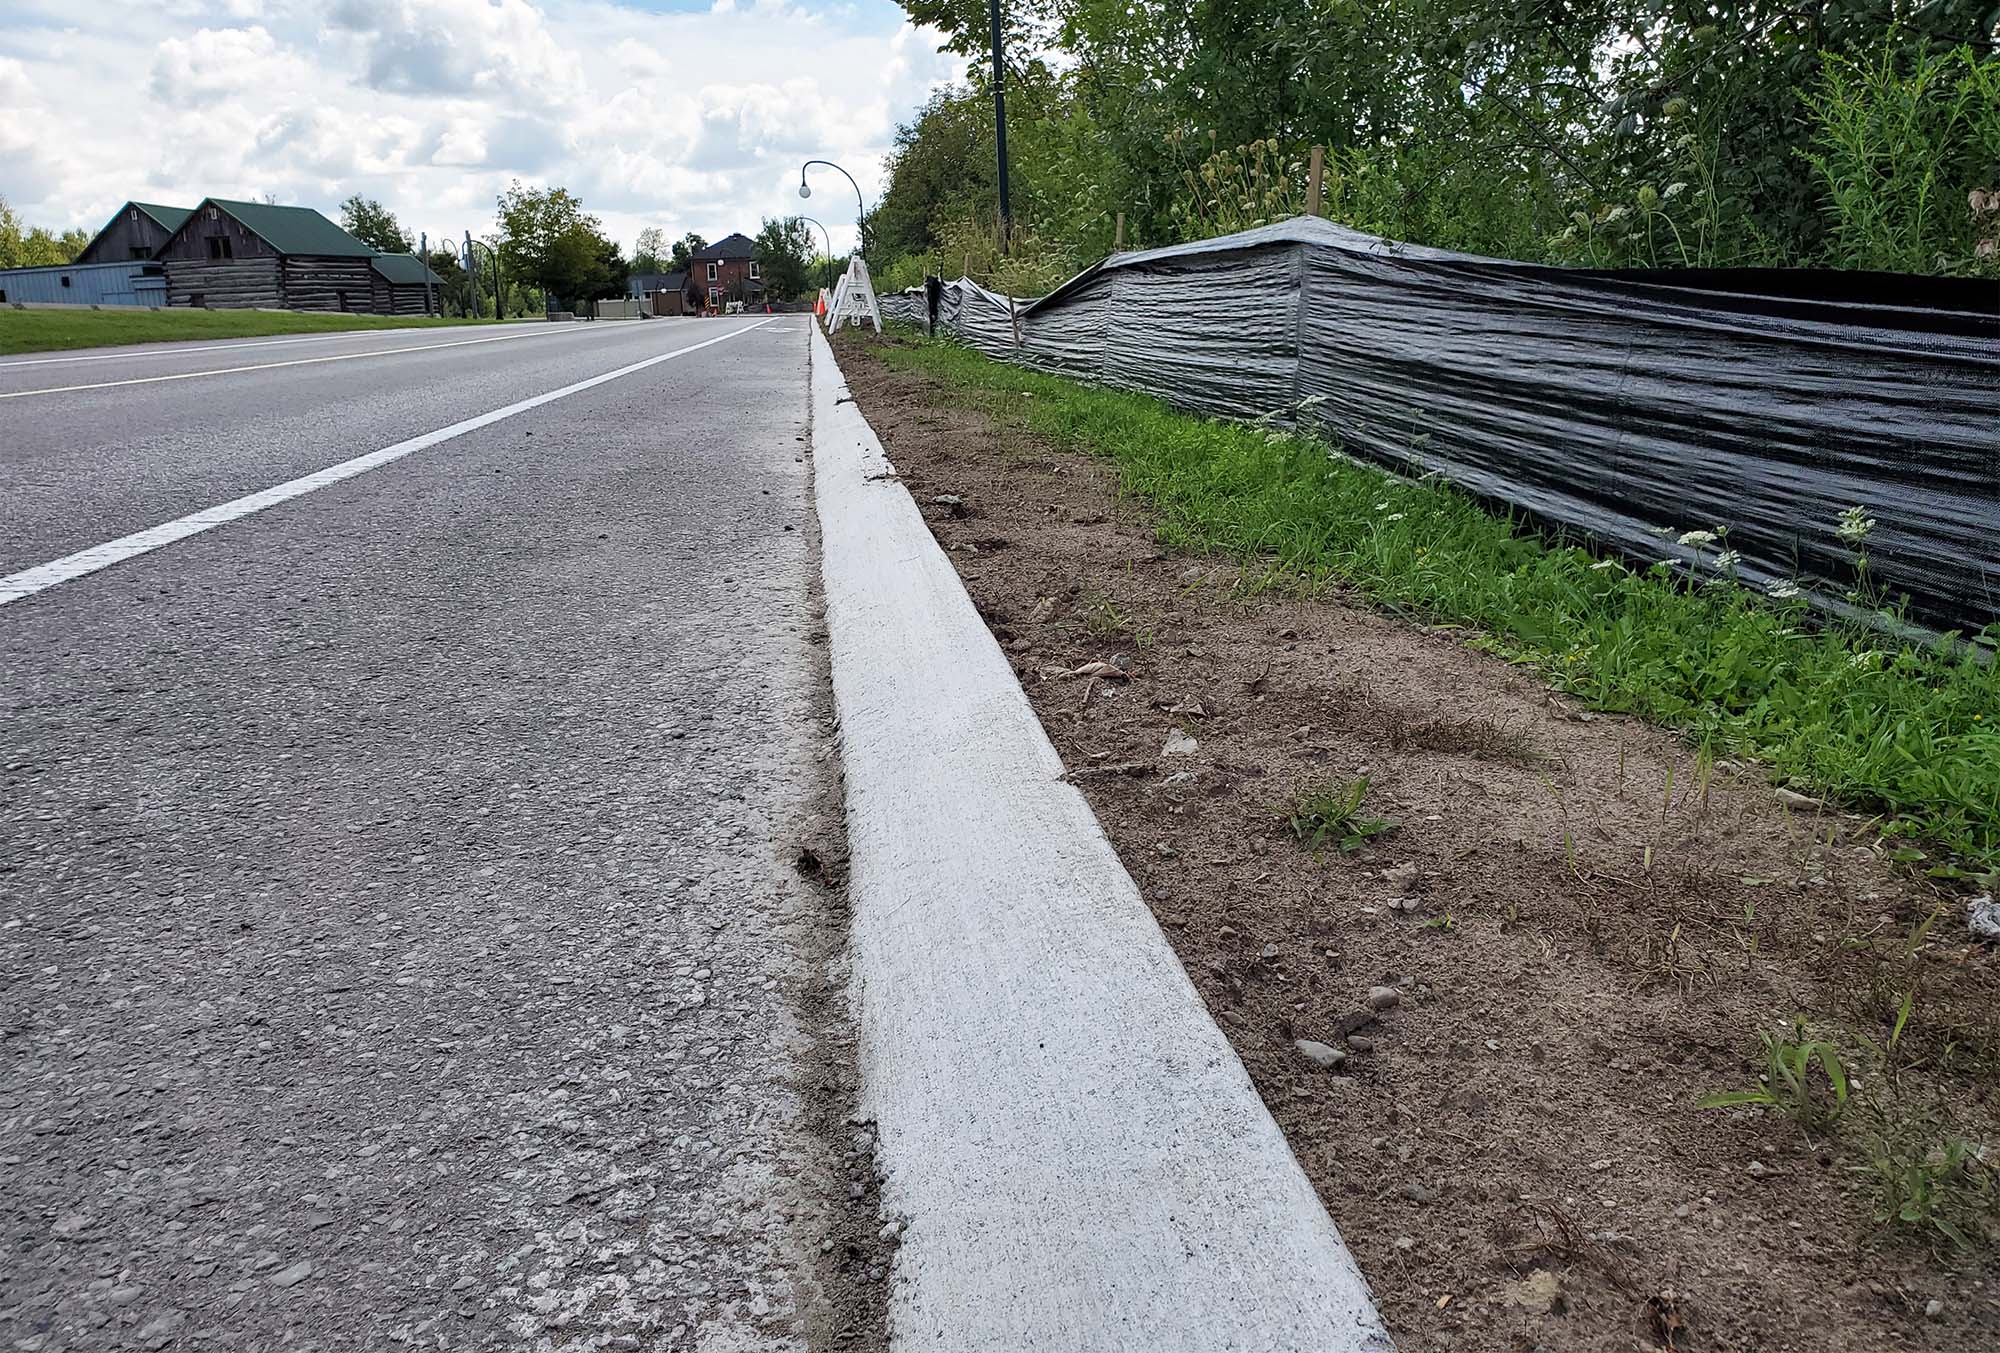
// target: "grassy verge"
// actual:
[[54, 330], [1888, 727]]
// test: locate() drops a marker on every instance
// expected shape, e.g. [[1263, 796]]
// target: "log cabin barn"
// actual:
[[404, 285], [135, 232], [252, 255]]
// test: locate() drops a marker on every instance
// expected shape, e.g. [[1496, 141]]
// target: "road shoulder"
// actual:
[[1076, 1155]]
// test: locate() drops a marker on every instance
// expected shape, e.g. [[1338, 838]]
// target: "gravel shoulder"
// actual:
[[1485, 1032]]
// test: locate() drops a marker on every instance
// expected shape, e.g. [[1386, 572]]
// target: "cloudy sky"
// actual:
[[685, 115]]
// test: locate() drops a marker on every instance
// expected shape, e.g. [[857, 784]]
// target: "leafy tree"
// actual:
[[784, 256], [651, 252], [1607, 132], [375, 226], [549, 242], [685, 248], [23, 246]]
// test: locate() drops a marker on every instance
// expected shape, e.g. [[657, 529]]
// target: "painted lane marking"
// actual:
[[26, 583], [177, 350], [267, 366]]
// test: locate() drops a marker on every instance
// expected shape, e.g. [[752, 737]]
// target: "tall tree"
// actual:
[[550, 242], [651, 252], [784, 253], [685, 248], [375, 226]]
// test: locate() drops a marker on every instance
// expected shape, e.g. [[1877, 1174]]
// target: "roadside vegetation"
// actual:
[[1887, 725], [54, 330], [1742, 133], [1586, 1037]]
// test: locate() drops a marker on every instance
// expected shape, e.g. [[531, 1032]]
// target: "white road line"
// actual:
[[267, 366], [178, 350], [26, 583]]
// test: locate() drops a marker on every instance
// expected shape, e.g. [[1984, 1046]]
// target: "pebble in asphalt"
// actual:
[[401, 941]]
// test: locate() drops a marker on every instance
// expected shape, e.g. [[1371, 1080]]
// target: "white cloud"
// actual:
[[688, 121], [221, 61]]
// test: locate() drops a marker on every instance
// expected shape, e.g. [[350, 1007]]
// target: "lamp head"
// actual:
[[804, 189]]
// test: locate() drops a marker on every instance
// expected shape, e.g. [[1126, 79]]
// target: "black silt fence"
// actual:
[[1629, 407]]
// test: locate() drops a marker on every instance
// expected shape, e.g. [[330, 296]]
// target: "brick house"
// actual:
[[725, 271]]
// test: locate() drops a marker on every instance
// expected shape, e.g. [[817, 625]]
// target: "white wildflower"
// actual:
[[1617, 213], [1867, 660], [1394, 516], [1785, 591], [1674, 190], [1727, 560], [1854, 525], [1603, 564], [1698, 538], [1381, 507]]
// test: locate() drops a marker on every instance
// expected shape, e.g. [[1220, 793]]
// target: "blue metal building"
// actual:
[[137, 282]]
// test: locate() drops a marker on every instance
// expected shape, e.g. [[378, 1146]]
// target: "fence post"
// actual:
[[1313, 176], [1119, 241]]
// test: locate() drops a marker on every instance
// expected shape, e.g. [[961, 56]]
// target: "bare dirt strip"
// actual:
[[1576, 929]]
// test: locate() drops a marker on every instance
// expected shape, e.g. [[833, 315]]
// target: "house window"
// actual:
[[220, 246], [138, 252], [714, 271], [754, 274], [714, 295], [65, 281]]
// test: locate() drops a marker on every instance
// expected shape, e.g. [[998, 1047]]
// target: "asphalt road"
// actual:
[[402, 945]]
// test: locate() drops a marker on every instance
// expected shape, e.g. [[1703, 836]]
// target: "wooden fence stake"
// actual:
[[1313, 176], [1119, 242]]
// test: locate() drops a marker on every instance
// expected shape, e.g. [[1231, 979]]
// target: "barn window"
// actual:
[[132, 214], [220, 246], [211, 213], [138, 252], [65, 280]]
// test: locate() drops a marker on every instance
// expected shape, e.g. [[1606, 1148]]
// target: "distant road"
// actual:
[[399, 930]]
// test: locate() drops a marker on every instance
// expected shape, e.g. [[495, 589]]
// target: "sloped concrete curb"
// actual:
[[1080, 1160]]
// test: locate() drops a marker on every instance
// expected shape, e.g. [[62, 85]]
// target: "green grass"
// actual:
[[54, 330], [1886, 725]]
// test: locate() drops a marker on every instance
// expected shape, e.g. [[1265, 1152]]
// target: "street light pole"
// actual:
[[829, 249], [1000, 128], [861, 217]]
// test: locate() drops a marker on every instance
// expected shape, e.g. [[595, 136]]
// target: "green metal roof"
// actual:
[[295, 230], [170, 218], [404, 270]]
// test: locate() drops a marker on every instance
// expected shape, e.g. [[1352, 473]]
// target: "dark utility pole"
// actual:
[[1000, 130]]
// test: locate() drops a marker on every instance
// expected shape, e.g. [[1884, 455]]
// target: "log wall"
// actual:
[[318, 282], [225, 283]]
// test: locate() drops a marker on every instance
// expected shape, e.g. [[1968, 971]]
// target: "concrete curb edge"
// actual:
[[1078, 1157]]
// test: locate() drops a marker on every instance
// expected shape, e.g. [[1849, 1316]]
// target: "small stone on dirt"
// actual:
[[1933, 1309], [1322, 1055], [1179, 744], [1982, 915], [294, 1275], [1384, 998]]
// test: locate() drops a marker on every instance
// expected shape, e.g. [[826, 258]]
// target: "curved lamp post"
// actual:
[[829, 250], [861, 215]]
